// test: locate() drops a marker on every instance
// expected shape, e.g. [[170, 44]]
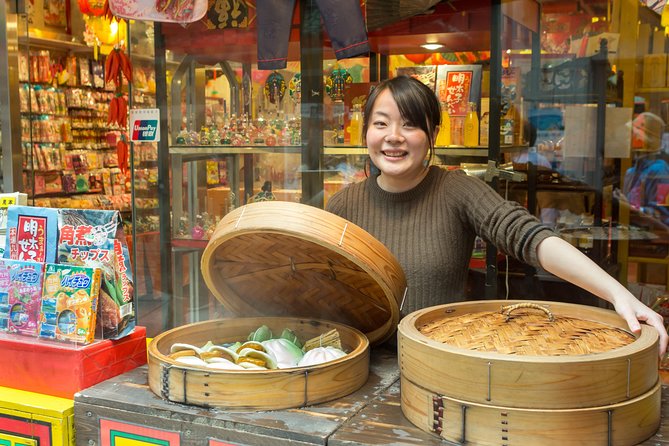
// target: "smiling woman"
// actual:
[[399, 134], [429, 217]]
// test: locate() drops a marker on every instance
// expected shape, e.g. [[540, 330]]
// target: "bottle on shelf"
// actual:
[[484, 123], [508, 125], [471, 131], [340, 135], [444, 135], [355, 126]]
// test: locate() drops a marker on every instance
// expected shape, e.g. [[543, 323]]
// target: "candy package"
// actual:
[[95, 238], [24, 294], [69, 303]]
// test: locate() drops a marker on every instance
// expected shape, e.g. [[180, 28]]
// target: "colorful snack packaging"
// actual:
[[32, 234], [69, 303], [24, 293], [95, 238], [4, 298]]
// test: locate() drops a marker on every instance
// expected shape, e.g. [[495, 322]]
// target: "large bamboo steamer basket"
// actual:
[[256, 389], [544, 392], [277, 263]]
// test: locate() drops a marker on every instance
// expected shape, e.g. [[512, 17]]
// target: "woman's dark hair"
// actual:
[[417, 103]]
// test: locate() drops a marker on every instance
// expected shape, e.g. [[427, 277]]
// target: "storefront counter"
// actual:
[[123, 410]]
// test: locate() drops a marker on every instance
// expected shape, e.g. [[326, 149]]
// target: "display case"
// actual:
[[232, 134], [238, 134]]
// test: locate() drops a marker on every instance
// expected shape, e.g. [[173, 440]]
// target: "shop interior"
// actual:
[[570, 99]]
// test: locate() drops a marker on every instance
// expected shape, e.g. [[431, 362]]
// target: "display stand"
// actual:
[[28, 418], [124, 408], [62, 369]]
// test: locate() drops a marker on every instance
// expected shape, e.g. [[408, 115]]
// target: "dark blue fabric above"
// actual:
[[343, 21]]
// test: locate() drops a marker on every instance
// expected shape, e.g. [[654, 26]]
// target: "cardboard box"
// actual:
[[28, 418], [61, 369], [293, 195], [219, 201], [654, 70]]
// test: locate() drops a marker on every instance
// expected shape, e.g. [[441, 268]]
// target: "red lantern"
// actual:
[[417, 58], [92, 7], [83, 6]]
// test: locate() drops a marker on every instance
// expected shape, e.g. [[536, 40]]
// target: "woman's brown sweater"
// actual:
[[431, 229]]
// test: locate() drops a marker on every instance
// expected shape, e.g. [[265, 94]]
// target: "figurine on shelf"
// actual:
[[214, 135], [182, 137], [182, 230], [270, 139], [204, 136], [226, 137], [193, 138], [208, 225], [197, 233], [265, 193]]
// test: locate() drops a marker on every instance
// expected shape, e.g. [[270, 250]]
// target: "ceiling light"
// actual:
[[432, 46]]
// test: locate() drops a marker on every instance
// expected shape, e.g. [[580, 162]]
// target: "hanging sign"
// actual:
[[145, 125]]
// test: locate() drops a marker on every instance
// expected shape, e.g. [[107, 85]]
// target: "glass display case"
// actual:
[[232, 134]]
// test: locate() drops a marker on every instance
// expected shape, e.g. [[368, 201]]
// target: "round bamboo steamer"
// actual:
[[528, 381], [256, 389], [277, 258], [463, 422]]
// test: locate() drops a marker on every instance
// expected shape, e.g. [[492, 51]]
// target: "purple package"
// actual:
[[24, 296]]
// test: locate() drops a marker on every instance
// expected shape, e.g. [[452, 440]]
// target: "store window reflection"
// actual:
[[646, 183], [645, 191]]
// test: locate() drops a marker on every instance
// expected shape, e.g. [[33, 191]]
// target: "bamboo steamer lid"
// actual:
[[277, 258]]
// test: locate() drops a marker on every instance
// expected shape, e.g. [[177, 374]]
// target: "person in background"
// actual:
[[646, 183], [429, 217]]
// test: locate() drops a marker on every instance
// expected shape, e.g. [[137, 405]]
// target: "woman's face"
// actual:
[[396, 147]]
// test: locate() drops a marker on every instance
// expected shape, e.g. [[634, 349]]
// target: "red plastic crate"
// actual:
[[62, 369]]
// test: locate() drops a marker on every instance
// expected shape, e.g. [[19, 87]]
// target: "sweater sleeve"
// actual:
[[505, 224]]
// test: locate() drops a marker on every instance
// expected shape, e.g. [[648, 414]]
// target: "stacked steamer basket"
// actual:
[[535, 373], [285, 265]]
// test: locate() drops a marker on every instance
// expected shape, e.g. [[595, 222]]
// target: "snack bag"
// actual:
[[24, 295], [95, 238], [4, 298], [32, 234], [69, 303]]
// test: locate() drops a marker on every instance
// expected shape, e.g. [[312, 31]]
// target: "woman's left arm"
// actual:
[[565, 261]]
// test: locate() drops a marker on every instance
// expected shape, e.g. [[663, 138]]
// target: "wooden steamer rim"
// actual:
[[463, 422], [256, 389], [528, 381], [277, 258]]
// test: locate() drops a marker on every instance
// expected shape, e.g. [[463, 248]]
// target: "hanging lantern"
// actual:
[[92, 7], [417, 58], [100, 30]]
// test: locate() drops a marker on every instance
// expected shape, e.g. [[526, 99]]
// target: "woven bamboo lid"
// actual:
[[526, 329], [275, 258]]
